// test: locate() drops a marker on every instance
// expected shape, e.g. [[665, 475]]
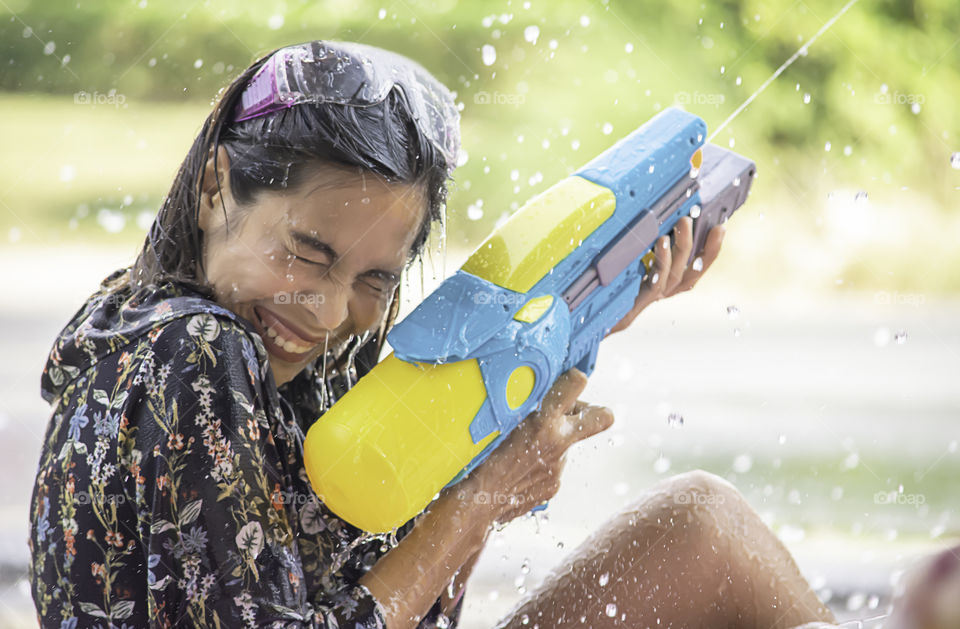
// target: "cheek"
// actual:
[[243, 269], [368, 313]]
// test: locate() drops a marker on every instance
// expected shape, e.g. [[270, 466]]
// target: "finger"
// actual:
[[651, 289], [682, 245], [564, 392], [590, 421], [711, 249]]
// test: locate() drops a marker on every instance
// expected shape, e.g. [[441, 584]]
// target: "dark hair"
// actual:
[[277, 151]]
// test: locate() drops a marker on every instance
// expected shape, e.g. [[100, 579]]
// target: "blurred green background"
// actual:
[[101, 100], [819, 407]]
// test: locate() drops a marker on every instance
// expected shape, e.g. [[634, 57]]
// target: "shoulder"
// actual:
[[209, 341]]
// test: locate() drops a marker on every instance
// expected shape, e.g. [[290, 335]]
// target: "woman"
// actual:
[[171, 489]]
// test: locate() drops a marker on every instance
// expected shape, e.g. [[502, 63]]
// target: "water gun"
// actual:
[[536, 298]]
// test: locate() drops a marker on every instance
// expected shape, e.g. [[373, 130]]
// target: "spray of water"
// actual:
[[786, 64]]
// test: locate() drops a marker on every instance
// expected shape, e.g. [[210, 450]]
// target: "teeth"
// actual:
[[285, 344]]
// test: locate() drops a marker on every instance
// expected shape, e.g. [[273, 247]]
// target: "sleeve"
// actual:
[[221, 548]]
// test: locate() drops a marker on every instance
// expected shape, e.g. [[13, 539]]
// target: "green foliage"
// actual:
[[594, 66]]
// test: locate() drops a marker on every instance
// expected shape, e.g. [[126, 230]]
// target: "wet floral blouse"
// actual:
[[171, 489]]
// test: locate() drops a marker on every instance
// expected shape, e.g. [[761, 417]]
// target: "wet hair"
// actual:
[[276, 152]]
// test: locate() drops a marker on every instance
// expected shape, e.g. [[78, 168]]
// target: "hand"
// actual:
[[524, 470], [670, 274]]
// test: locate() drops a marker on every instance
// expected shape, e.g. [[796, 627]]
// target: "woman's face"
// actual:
[[309, 266]]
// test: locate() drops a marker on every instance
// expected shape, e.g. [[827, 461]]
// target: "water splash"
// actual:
[[786, 64]]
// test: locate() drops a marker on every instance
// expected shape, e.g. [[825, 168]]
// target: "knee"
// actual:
[[701, 497], [700, 488]]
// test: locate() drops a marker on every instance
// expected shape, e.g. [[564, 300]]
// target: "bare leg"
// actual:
[[689, 553]]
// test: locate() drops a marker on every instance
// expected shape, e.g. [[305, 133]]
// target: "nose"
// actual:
[[330, 309]]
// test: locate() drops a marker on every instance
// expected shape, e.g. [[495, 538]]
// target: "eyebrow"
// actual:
[[318, 245]]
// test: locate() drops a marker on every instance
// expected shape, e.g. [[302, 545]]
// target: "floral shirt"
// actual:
[[171, 489]]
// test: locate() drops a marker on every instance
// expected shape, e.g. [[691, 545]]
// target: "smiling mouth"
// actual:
[[279, 335]]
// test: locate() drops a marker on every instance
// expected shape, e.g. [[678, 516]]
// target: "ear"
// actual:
[[214, 195]]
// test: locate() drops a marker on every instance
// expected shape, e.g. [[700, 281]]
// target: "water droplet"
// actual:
[[732, 142], [198, 64], [475, 210], [514, 174], [852, 460], [525, 566], [531, 33], [607, 128], [736, 181], [382, 13], [955, 160], [67, 173], [723, 69], [782, 439], [611, 609], [275, 22], [826, 147], [524, 620], [443, 622], [806, 98], [111, 221], [628, 47], [661, 465], [733, 312], [848, 150], [560, 545], [489, 54], [739, 80], [697, 264], [604, 579], [915, 108], [651, 169], [584, 20], [742, 463], [900, 337], [49, 48], [694, 211]]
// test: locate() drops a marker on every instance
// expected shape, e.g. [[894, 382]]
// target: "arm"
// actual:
[[448, 537], [459, 584], [526, 467]]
